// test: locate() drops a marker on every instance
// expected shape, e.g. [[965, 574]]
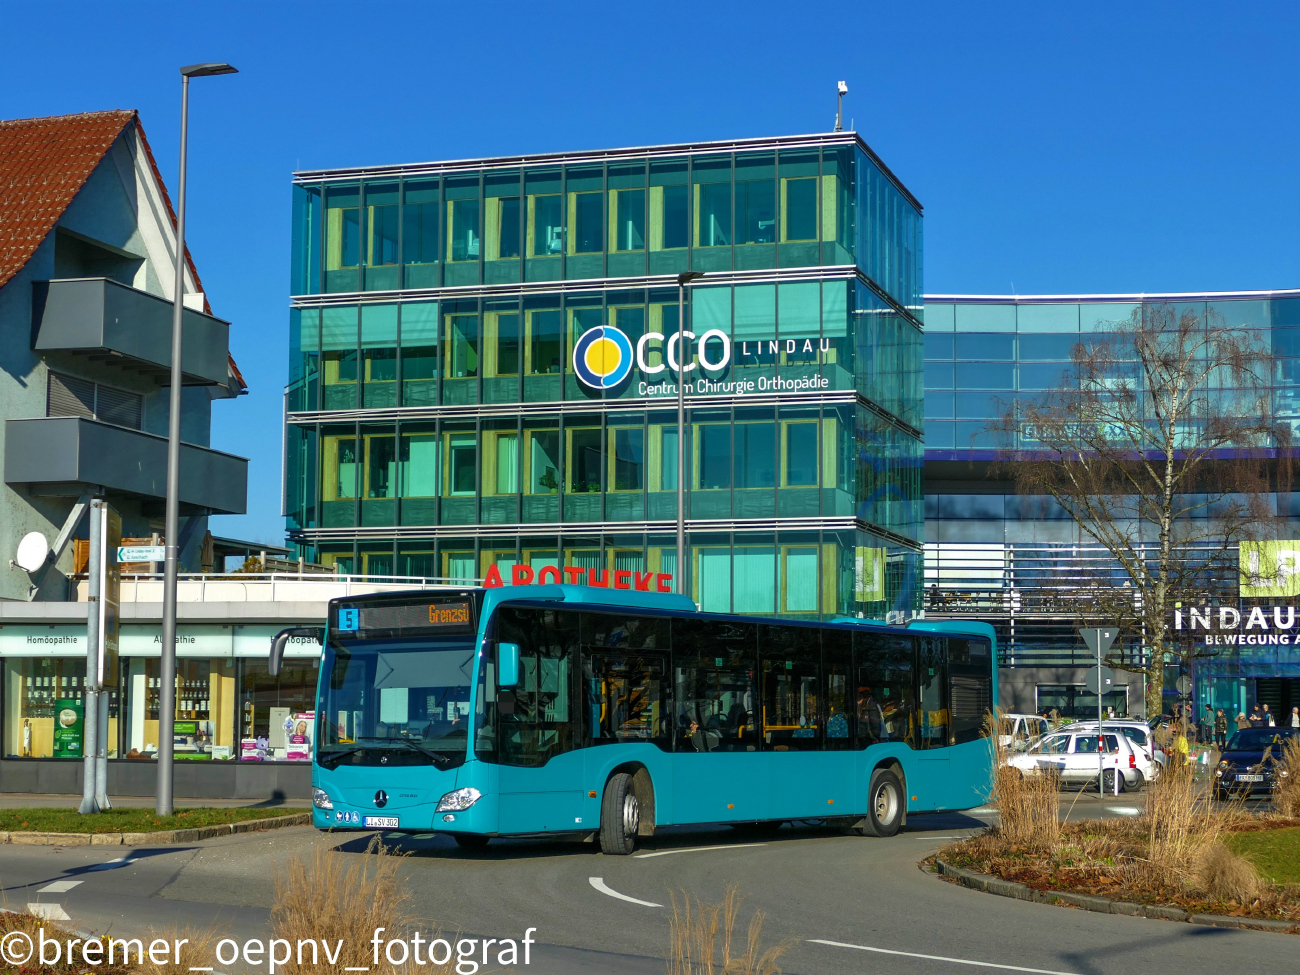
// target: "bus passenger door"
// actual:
[[933, 722]]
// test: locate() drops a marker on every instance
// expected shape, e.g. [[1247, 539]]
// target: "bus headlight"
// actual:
[[459, 801], [321, 799]]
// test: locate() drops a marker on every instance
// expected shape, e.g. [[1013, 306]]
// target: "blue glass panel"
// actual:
[[986, 346], [938, 405], [986, 318], [1048, 318], [937, 346], [986, 375], [938, 375], [939, 317], [1057, 347], [987, 406]]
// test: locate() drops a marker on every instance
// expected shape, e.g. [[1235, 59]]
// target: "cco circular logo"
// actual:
[[602, 357]]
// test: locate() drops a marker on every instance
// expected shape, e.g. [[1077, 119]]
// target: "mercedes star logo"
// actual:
[[381, 798]]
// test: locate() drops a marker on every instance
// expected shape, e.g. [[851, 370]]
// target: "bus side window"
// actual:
[[837, 672], [970, 674], [932, 686], [626, 699], [715, 694], [789, 666], [540, 725], [625, 632], [885, 700]]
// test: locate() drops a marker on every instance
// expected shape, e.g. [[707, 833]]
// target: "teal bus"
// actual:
[[561, 709]]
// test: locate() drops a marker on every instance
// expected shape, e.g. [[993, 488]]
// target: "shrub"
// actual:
[[1028, 805], [1224, 876], [1286, 780]]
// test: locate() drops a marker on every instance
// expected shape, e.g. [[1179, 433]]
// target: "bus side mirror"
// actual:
[[278, 642], [507, 664]]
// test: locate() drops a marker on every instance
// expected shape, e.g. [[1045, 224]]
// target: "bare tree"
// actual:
[[1160, 444]]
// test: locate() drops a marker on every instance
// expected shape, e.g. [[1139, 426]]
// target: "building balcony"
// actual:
[[68, 456], [109, 322]]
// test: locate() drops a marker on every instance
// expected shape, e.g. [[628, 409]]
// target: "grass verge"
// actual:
[[1275, 853], [45, 820]]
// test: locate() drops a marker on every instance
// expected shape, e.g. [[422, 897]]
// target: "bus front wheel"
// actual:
[[884, 805], [620, 816]]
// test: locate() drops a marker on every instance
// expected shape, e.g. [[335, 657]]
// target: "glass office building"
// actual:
[[484, 364], [1000, 556]]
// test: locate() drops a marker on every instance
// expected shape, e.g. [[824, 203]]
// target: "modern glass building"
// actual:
[[484, 365], [1000, 556]]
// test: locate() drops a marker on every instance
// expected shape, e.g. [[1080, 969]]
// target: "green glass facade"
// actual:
[[444, 415]]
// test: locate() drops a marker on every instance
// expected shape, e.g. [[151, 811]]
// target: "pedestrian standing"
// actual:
[[1295, 717], [1268, 717], [1220, 730], [1207, 726], [1180, 749], [1243, 722], [1257, 718]]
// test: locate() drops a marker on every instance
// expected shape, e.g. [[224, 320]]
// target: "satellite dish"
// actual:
[[33, 550]]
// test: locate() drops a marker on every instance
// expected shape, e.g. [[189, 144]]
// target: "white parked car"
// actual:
[[1151, 758], [1019, 731], [1072, 755]]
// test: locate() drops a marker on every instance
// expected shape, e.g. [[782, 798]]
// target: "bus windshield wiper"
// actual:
[[436, 756], [334, 756]]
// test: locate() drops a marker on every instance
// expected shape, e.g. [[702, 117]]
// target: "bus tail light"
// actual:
[[459, 801]]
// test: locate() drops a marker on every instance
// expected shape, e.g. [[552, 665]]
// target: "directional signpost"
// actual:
[[141, 553], [1098, 639]]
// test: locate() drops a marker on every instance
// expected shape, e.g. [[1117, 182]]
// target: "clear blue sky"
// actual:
[[1056, 147]]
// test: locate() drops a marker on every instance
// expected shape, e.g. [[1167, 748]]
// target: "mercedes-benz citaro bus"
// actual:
[[569, 709]]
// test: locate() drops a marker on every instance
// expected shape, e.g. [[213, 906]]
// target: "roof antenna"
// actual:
[[843, 89]]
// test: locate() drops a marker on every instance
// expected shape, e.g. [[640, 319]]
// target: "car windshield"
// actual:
[[395, 702], [1255, 739]]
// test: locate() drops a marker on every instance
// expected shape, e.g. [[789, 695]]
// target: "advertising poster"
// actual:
[[69, 726]]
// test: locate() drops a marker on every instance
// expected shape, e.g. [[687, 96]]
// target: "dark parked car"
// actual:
[[1248, 763]]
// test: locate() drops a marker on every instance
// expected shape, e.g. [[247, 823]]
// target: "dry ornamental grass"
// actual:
[[702, 939]]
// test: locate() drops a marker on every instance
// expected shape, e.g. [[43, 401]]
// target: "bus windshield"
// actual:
[[398, 702]]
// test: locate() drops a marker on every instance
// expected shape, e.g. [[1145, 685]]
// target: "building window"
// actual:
[[339, 461], [544, 342], [462, 346], [381, 466], [799, 209], [462, 454], [503, 228], [628, 458], [204, 708], [755, 455], [38, 691], [543, 461], [714, 461], [584, 461], [801, 454], [669, 218], [712, 214], [420, 223], [381, 241], [503, 454], [342, 237], [502, 343], [462, 230], [586, 217], [627, 208], [419, 465], [545, 225], [278, 714], [755, 211]]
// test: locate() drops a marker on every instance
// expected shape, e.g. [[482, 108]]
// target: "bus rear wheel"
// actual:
[[884, 805], [620, 816]]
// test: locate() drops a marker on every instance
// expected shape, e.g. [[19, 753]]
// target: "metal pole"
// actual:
[[90, 717], [1101, 739], [681, 437], [171, 531]]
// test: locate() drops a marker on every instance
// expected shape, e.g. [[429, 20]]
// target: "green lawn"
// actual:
[[44, 820], [1274, 852]]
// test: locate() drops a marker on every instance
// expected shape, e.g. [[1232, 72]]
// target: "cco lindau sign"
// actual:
[[603, 358], [1226, 626]]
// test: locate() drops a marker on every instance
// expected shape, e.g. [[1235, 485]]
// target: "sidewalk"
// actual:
[[28, 800]]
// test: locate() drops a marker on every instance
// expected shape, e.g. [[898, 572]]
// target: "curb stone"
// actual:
[[1104, 905], [161, 837]]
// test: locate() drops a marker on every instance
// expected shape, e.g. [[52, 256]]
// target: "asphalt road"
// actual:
[[849, 904]]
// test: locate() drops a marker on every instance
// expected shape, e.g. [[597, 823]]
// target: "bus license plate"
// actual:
[[1250, 778], [382, 822]]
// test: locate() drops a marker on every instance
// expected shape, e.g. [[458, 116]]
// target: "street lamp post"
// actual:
[[167, 669], [683, 353]]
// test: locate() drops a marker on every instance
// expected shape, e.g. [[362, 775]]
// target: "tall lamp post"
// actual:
[[683, 355], [167, 670]]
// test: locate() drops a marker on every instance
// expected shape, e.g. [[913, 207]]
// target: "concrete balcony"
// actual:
[[111, 323], [65, 455]]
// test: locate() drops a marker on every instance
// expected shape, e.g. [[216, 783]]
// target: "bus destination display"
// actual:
[[447, 617]]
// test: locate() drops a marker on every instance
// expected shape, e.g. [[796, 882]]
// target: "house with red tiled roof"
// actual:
[[87, 271]]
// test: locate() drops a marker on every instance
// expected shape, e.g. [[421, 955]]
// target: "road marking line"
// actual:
[[200, 969], [50, 912], [1124, 810], [111, 864], [938, 837], [356, 969], [58, 887], [955, 961], [599, 884], [697, 849]]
